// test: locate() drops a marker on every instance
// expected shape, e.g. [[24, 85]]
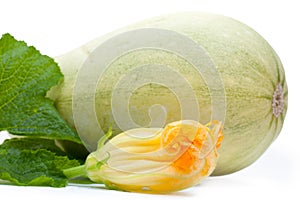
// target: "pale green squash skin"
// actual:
[[249, 68]]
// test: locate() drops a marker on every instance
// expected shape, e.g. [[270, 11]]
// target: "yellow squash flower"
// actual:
[[150, 160]]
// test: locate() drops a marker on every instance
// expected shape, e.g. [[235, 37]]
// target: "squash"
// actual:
[[182, 66]]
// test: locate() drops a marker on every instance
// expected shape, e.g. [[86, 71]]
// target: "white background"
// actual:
[[56, 27]]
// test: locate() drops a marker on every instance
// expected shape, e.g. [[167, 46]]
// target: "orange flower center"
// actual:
[[194, 144]]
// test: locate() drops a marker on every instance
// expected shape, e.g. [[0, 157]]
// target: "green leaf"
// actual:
[[33, 164], [25, 78], [29, 143]]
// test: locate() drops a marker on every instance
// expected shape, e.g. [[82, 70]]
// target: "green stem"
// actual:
[[75, 172], [104, 138]]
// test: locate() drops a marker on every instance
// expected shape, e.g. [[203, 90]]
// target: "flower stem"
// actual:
[[75, 172]]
